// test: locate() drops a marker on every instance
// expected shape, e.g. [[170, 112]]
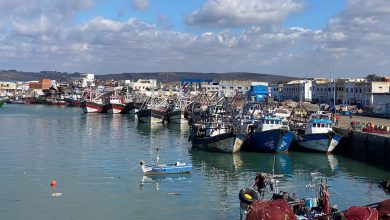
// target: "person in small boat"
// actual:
[[260, 182], [385, 184]]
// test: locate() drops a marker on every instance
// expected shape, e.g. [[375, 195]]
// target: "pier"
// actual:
[[371, 149]]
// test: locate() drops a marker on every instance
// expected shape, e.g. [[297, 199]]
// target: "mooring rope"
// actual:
[[134, 167]]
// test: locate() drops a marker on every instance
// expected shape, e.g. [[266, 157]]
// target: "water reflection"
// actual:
[[158, 181], [146, 129], [326, 164]]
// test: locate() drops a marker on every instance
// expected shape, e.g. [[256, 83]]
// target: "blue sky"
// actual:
[[288, 37], [315, 15]]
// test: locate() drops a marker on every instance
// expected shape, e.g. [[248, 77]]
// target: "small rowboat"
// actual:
[[162, 169]]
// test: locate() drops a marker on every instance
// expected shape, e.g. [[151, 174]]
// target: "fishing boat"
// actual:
[[92, 103], [319, 135], [164, 169], [269, 202], [216, 136], [268, 135], [151, 115], [153, 110], [2, 101], [116, 105], [282, 113], [74, 100]]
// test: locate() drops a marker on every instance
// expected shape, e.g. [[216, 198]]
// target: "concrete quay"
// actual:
[[345, 121], [371, 149]]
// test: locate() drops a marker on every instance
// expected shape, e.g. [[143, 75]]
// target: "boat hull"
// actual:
[[91, 107], [177, 117], [150, 116], [74, 103], [115, 108], [322, 142], [166, 169], [276, 140], [225, 143]]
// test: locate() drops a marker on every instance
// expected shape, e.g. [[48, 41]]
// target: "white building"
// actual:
[[298, 90], [142, 84], [88, 80], [275, 91], [320, 91], [229, 88], [361, 92], [85, 80], [381, 103], [7, 88], [210, 87]]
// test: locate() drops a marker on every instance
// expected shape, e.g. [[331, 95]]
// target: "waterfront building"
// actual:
[[229, 88], [7, 88], [259, 92], [22, 87], [361, 92], [298, 90], [142, 84], [320, 87], [275, 91], [85, 80], [210, 86], [42, 84], [381, 103]]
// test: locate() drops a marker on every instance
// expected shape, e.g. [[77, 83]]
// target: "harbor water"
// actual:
[[94, 159]]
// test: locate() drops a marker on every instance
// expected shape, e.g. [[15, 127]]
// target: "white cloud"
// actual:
[[140, 5], [355, 41], [230, 13]]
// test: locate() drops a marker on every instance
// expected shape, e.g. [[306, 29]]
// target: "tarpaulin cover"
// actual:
[[361, 213], [270, 210]]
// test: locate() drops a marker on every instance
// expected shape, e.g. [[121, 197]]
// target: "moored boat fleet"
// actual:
[[260, 127], [217, 123]]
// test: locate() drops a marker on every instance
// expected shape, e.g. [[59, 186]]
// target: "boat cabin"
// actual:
[[216, 109], [271, 123], [319, 125]]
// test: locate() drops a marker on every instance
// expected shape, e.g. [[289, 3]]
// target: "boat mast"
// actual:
[[157, 158]]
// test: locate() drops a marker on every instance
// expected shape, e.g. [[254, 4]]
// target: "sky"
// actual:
[[305, 38]]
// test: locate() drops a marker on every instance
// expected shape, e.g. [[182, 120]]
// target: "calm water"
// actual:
[[94, 159]]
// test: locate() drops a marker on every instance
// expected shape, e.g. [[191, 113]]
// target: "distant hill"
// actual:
[[14, 75]]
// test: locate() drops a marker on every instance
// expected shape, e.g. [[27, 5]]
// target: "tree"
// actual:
[[374, 78]]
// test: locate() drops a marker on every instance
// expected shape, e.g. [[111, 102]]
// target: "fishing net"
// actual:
[[270, 210], [361, 212], [384, 210]]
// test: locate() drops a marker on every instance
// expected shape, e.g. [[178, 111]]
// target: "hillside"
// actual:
[[14, 75]]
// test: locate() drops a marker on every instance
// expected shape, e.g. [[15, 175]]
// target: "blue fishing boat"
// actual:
[[163, 169], [319, 135], [269, 135]]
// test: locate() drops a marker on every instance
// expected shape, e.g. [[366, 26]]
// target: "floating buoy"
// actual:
[[53, 183], [56, 194]]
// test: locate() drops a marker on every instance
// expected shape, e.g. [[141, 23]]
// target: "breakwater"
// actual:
[[372, 149]]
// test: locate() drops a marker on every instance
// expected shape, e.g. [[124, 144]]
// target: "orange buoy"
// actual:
[[53, 183]]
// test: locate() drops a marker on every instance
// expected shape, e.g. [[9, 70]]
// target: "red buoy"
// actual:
[[53, 183]]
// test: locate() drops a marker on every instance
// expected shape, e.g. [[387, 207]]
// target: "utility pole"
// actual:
[[334, 92]]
